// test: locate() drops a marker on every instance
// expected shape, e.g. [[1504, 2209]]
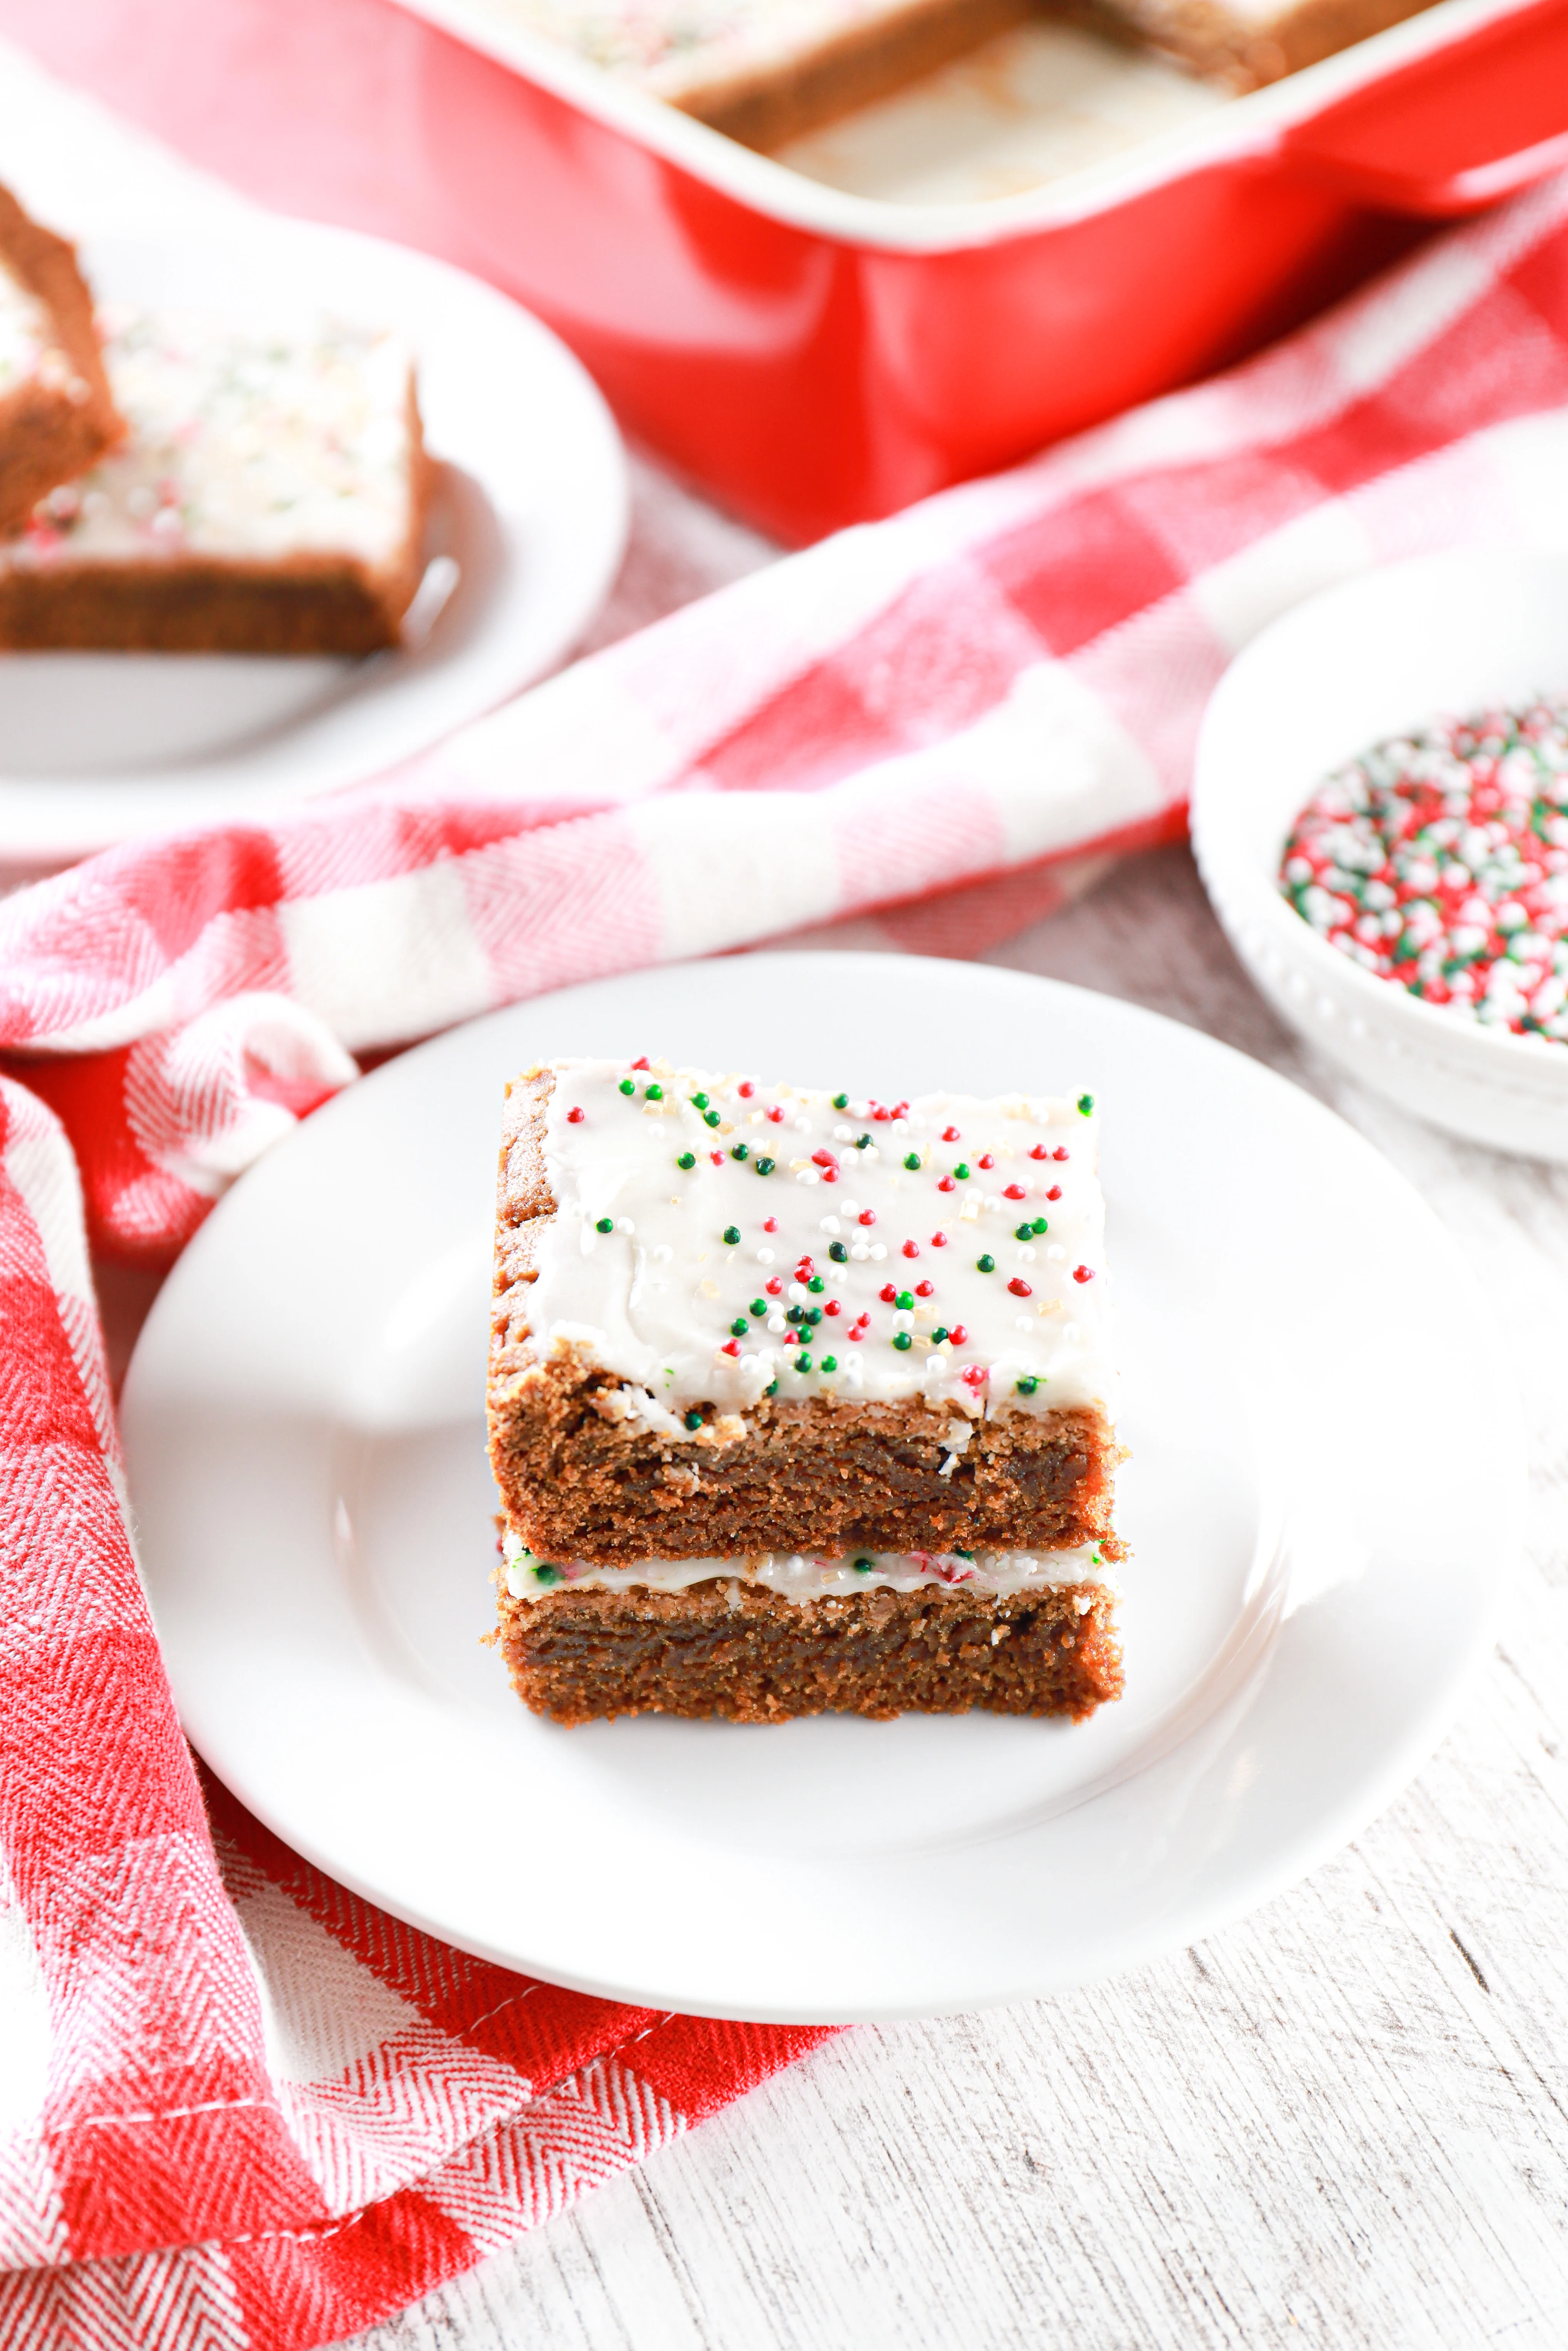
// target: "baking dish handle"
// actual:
[[1432, 195], [1454, 130]]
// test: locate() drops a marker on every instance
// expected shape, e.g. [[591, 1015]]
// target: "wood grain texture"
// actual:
[[1342, 2123]]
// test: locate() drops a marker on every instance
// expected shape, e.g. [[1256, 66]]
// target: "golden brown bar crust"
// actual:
[[311, 603], [747, 1654], [47, 435], [1213, 40], [581, 1481]]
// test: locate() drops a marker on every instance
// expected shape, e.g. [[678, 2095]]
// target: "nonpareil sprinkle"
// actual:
[[1439, 859]]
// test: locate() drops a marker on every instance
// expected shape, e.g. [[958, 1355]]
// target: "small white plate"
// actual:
[[530, 503], [1317, 1561]]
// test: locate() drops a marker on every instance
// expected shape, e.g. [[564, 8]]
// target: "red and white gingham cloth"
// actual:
[[237, 2105]]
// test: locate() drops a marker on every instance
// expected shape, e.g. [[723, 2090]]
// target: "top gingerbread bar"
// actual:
[[733, 1318]]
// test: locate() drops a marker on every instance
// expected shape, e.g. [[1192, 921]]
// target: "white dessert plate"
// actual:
[[527, 527], [1317, 1562]]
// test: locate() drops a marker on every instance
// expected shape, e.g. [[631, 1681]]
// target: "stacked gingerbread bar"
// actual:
[[799, 1401], [192, 486]]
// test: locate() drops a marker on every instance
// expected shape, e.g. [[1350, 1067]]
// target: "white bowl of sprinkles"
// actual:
[[1425, 978]]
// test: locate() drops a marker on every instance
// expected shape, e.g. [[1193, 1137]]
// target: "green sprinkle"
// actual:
[[693, 1420], [830, 1363], [911, 1161], [653, 1093], [838, 1252], [939, 1334], [802, 1362], [963, 1555], [699, 1101], [771, 1389], [811, 1314], [961, 1172], [739, 1327], [1022, 1232], [687, 1159], [543, 1574], [794, 1315], [763, 1166], [864, 1144], [904, 1300], [732, 1236], [758, 1307], [605, 1224], [710, 1118], [1085, 1106], [903, 1341], [986, 1264], [864, 1566], [1027, 1386], [840, 1102], [1040, 1226], [627, 1087], [738, 1150], [816, 1283]]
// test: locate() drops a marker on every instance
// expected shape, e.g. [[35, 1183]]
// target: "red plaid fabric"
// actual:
[[238, 2105]]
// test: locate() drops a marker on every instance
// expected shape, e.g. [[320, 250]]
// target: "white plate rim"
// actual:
[[1179, 1923]]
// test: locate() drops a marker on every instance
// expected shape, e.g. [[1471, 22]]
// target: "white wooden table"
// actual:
[[1343, 2123]]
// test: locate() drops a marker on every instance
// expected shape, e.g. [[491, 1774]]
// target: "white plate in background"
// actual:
[[1316, 1563], [529, 501]]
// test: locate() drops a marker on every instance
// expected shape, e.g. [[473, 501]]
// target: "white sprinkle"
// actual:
[[797, 1291], [878, 1251], [1026, 1255], [843, 1134], [663, 1254], [1022, 1323], [992, 1200], [849, 1209], [808, 1176], [802, 1126], [777, 1324], [1055, 1253], [764, 1257], [860, 1252], [829, 1225], [624, 1224]]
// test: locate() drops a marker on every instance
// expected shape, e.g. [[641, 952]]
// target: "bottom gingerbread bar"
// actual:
[[745, 1652]]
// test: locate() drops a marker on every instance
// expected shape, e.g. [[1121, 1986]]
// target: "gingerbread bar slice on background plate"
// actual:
[[269, 498], [57, 411], [850, 1357]]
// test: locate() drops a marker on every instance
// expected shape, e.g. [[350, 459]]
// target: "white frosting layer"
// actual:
[[807, 1575], [244, 446], [677, 49], [810, 1246], [28, 349]]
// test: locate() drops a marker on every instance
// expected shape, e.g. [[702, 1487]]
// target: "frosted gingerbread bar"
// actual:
[[761, 1639], [57, 413], [1247, 43], [764, 70], [269, 498], [733, 1319]]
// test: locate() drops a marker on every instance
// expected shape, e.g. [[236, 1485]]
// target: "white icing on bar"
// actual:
[[245, 446], [636, 1272], [808, 1575], [679, 48], [29, 351]]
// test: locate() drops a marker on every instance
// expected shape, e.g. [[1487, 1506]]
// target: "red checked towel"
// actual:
[[238, 2106]]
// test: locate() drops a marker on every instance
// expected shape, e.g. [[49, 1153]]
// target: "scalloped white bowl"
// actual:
[[1442, 635]]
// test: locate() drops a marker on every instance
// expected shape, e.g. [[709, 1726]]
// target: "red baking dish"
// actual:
[[813, 358]]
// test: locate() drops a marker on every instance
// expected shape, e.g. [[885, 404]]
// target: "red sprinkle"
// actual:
[[804, 1267], [830, 1174], [1015, 1192], [1054, 1192], [1019, 1287], [717, 1158], [912, 1249], [951, 1134], [641, 1062], [881, 1115], [986, 1160], [925, 1288], [777, 1115], [974, 1374], [1061, 1154], [770, 1224], [823, 1159], [774, 1286], [746, 1089], [957, 1334], [732, 1347], [832, 1308], [1040, 1151], [887, 1293], [868, 1216], [574, 1118], [947, 1185], [938, 1241], [1082, 1273]]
